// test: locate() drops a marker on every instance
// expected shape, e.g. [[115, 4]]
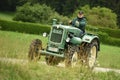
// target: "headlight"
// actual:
[[68, 39], [44, 34]]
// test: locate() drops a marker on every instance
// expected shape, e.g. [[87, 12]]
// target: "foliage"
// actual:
[[10, 5], [114, 5], [106, 35], [111, 32], [37, 13], [115, 33], [103, 36], [64, 7], [24, 27], [99, 16], [60, 19], [39, 29], [67, 7], [33, 13], [106, 39]]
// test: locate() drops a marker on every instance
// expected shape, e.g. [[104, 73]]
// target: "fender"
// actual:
[[88, 38]]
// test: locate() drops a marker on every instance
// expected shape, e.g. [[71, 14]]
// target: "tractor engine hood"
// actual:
[[70, 29]]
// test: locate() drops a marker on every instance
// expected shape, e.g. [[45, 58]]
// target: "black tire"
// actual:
[[52, 60], [71, 57], [35, 46], [92, 54]]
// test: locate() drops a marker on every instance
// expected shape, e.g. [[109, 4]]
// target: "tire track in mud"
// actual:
[[24, 61]]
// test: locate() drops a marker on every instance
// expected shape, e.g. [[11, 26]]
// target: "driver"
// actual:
[[79, 21]]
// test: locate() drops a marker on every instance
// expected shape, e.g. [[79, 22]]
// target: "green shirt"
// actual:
[[79, 23]]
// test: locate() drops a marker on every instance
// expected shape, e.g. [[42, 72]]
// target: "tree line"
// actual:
[[64, 7]]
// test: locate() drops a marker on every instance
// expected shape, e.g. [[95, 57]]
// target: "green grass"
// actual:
[[35, 71], [109, 56], [16, 45], [9, 71], [6, 16]]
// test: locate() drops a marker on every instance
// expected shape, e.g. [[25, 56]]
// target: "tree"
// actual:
[[10, 5]]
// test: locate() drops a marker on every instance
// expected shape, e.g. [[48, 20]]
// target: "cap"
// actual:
[[80, 12]]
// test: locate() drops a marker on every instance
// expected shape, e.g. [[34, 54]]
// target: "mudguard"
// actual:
[[89, 38]]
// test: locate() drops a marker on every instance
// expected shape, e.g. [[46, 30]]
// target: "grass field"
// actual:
[[16, 45], [33, 71], [109, 56], [6, 16]]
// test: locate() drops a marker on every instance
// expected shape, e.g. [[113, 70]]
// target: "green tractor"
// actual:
[[65, 43]]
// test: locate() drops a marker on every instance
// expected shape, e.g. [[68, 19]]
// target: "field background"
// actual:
[[16, 45]]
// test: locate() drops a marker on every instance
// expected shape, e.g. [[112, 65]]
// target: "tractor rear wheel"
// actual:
[[92, 54], [35, 46]]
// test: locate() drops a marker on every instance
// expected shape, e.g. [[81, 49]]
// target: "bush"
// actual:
[[99, 16], [24, 27], [37, 14], [60, 18], [33, 13]]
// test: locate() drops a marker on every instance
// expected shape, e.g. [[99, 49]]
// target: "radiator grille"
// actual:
[[56, 35]]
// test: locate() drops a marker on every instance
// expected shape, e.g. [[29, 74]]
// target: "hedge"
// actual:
[[111, 32], [33, 28], [106, 39], [23, 27]]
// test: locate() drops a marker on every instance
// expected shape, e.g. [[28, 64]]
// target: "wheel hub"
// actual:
[[74, 59], [92, 56]]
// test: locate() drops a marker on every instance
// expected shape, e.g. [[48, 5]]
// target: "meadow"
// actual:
[[16, 45], [34, 71]]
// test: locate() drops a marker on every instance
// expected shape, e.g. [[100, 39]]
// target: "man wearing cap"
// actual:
[[79, 21]]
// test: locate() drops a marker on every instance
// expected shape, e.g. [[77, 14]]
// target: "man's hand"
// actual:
[[70, 22]]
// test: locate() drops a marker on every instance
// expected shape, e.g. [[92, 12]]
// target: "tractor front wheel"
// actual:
[[35, 46], [71, 57]]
